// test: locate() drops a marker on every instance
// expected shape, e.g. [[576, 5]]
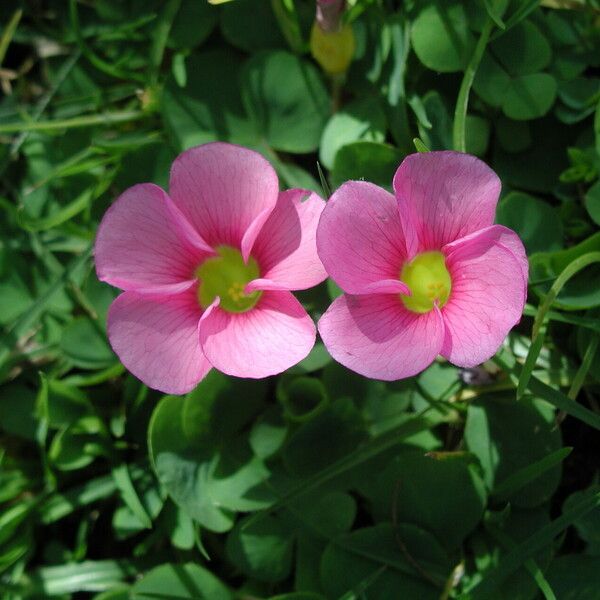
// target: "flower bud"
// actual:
[[332, 50]]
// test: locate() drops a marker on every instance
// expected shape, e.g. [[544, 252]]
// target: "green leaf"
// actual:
[[330, 435], [208, 470], [251, 26], [17, 410], [301, 397], [439, 135], [444, 496], [477, 134], [592, 202], [540, 321], [553, 396], [86, 576], [507, 436], [441, 37], [268, 433], [540, 539], [287, 100], [597, 128], [200, 113], [523, 476], [129, 494], [521, 96], [588, 525], [121, 592], [325, 515], [529, 96], [577, 294], [261, 550], [420, 146], [78, 444], [193, 23], [502, 532], [369, 161], [522, 50], [360, 120], [575, 577], [180, 582], [411, 559], [351, 461], [537, 223], [513, 136], [84, 343]]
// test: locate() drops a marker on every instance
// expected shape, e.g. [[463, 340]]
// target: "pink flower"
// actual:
[[206, 270], [329, 14], [425, 273]]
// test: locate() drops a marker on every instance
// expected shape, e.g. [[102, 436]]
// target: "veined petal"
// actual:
[[488, 295], [268, 339], [222, 189], [376, 336], [286, 248], [495, 234], [443, 196], [142, 244], [156, 338], [359, 237]]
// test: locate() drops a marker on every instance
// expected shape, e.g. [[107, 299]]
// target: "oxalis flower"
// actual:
[[207, 270], [424, 273]]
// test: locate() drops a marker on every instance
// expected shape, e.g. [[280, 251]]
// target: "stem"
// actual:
[[8, 33], [287, 17], [460, 113], [161, 35], [86, 121], [99, 63]]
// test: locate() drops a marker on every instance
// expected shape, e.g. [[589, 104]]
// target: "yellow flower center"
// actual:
[[429, 281], [226, 276]]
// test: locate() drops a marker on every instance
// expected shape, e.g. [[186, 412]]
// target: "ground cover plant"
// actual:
[[316, 483]]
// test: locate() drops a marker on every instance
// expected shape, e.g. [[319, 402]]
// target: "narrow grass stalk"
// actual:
[[86, 121], [540, 320], [9, 32], [460, 112]]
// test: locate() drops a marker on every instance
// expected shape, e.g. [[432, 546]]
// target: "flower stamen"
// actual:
[[226, 276], [429, 281]]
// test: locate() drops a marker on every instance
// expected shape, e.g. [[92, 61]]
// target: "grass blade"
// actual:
[[460, 112], [540, 322], [510, 562], [555, 397], [523, 476], [369, 450]]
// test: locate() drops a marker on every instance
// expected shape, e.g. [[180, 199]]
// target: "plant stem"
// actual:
[[460, 113], [86, 121]]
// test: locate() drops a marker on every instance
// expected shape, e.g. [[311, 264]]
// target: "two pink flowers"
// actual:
[[207, 271]]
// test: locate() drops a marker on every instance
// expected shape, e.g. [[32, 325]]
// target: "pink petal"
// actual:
[[443, 196], [142, 243], [222, 189], [264, 284], [268, 339], [156, 338], [488, 294], [502, 235], [359, 237], [378, 337], [286, 247]]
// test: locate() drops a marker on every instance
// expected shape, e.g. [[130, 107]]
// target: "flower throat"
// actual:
[[429, 281], [226, 276]]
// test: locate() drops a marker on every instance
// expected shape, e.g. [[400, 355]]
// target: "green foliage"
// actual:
[[318, 484]]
